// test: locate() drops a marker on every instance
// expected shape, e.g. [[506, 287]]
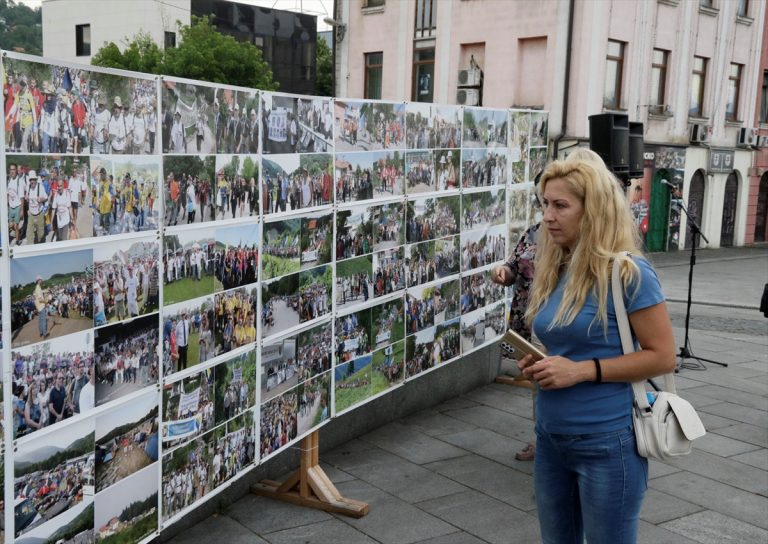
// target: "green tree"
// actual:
[[21, 28], [142, 54], [324, 67]]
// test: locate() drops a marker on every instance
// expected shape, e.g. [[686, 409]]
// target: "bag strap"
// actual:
[[625, 332]]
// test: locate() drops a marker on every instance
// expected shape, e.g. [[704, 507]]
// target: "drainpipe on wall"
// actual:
[[566, 82]]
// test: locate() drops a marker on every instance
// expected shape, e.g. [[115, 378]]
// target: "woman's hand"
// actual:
[[501, 275], [555, 372]]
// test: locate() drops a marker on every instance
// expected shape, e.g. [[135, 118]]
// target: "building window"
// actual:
[[742, 8], [170, 40], [659, 77], [83, 40], [423, 75], [374, 3], [698, 79], [707, 3], [426, 19], [374, 65], [734, 86], [764, 99], [614, 68]]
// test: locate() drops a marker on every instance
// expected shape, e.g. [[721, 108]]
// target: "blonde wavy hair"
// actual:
[[606, 231]]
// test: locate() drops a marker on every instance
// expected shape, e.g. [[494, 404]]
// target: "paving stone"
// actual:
[[335, 475], [496, 420], [435, 423], [714, 528], [333, 530], [453, 538], [757, 458], [659, 507], [727, 395], [724, 470], [742, 414], [262, 515], [348, 460], [486, 518], [647, 533], [746, 433], [731, 382], [504, 399], [657, 469], [456, 403], [698, 399], [493, 446], [411, 444], [718, 444], [712, 422], [225, 528], [758, 365]]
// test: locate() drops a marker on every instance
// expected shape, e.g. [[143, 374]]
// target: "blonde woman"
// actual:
[[589, 479]]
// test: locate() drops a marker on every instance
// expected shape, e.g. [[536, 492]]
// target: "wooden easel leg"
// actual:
[[517, 381], [310, 485]]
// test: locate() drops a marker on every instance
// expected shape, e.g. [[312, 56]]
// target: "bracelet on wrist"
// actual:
[[598, 371]]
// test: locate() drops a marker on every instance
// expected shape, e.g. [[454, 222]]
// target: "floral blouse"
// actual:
[[521, 265]]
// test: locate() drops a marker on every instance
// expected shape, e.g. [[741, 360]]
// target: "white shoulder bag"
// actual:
[[666, 427]]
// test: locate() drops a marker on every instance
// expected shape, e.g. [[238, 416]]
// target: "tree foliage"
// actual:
[[324, 67], [21, 28]]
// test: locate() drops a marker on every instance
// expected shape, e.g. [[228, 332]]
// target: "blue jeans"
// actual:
[[589, 485]]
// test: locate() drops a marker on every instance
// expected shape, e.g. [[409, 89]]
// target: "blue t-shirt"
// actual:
[[588, 407]]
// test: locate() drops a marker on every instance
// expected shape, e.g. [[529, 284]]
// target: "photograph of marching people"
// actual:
[[316, 239], [202, 119], [419, 355], [52, 382], [388, 271], [472, 330], [314, 399], [126, 357], [74, 525], [482, 209], [419, 126], [353, 335], [189, 189], [236, 256], [294, 182], [367, 175], [52, 474], [495, 321], [279, 422], [279, 305], [59, 109], [520, 131], [354, 281], [539, 129], [188, 408], [354, 232], [235, 382], [420, 263], [236, 187], [536, 162], [282, 248], [446, 301], [387, 226], [235, 449], [447, 341], [433, 217], [188, 338], [363, 125], [235, 319], [484, 167], [125, 280], [288, 361], [484, 127], [419, 309], [296, 124], [447, 169], [517, 218], [387, 367], [51, 296], [447, 126], [126, 440], [446, 256], [315, 288], [189, 264], [188, 474], [388, 323], [482, 247], [127, 512], [352, 382], [50, 199], [478, 291], [420, 171]]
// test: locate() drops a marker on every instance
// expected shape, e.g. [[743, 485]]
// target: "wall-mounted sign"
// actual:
[[720, 161]]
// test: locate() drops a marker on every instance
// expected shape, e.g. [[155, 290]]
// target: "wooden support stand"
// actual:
[[518, 381], [310, 486]]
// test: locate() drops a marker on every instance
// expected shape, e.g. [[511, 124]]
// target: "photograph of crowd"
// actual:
[[235, 450], [189, 189], [447, 126], [126, 440], [50, 199], [482, 247], [447, 168], [288, 361], [420, 263], [447, 342], [127, 512], [537, 162], [446, 301], [315, 287], [367, 175], [352, 383], [484, 167], [279, 422], [388, 271], [354, 281], [419, 309], [430, 218], [126, 358], [125, 281], [367, 125], [235, 383], [388, 323], [51, 296], [419, 352], [387, 226], [353, 335], [236, 256], [316, 239], [236, 189], [296, 182], [314, 398], [419, 126], [188, 265], [125, 194], [234, 319], [446, 256], [52, 381], [354, 232], [282, 248], [187, 334], [472, 330], [420, 171], [60, 109], [279, 305], [188, 408], [388, 367], [518, 215], [519, 137], [202, 119], [484, 127], [483, 209], [292, 124], [188, 475], [495, 321], [539, 129], [478, 291], [52, 474], [71, 526]]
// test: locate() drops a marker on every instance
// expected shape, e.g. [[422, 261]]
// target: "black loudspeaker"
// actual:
[[609, 138], [636, 150]]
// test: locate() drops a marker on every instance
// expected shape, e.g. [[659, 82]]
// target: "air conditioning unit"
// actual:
[[472, 77], [747, 137], [699, 134], [660, 109], [762, 141], [468, 97]]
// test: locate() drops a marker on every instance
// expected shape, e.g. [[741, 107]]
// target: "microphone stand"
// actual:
[[685, 350]]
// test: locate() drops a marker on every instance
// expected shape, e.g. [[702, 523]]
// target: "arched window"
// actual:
[[695, 207], [729, 210], [761, 215]]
